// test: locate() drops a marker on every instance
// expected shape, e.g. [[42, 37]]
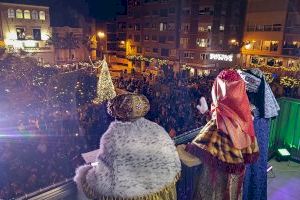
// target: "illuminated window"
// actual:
[[20, 33], [34, 14], [202, 42], [184, 42], [222, 27], [27, 14], [11, 13], [42, 15], [163, 26], [204, 27], [19, 14]]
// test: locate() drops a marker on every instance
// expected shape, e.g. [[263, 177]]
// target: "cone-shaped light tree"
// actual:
[[105, 87]]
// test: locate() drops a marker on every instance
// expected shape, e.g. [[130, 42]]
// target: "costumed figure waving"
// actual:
[[227, 142], [137, 158]]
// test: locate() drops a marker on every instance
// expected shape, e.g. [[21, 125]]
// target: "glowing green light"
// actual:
[[284, 152]]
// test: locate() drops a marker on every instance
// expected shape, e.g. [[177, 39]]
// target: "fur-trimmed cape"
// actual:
[[136, 159]]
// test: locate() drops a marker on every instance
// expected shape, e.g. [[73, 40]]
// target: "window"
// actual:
[[250, 28], [34, 14], [202, 42], [20, 33], [42, 15], [27, 14], [155, 50], [164, 12], [185, 27], [154, 12], [204, 28], [146, 37], [137, 38], [11, 13], [204, 56], [172, 10], [221, 42], [164, 52], [189, 55], [267, 27], [206, 11], [184, 42], [270, 45], [154, 38], [162, 39], [171, 38], [221, 28], [186, 11], [36, 32], [139, 49], [19, 14], [277, 27], [171, 26], [259, 28], [137, 27], [274, 46], [147, 25], [163, 26], [154, 26]]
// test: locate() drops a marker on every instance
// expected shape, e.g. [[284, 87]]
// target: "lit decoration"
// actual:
[[221, 57], [289, 82], [150, 60], [105, 87], [269, 77]]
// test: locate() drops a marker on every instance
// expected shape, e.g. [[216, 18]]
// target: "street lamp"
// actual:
[[101, 34]]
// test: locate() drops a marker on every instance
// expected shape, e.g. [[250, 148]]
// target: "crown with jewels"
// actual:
[[127, 107]]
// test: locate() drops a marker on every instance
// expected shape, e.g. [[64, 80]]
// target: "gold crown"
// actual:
[[126, 107]]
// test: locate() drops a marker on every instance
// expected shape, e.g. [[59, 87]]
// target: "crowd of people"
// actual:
[[48, 120]]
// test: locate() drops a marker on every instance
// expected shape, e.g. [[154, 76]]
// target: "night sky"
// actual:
[[64, 12]]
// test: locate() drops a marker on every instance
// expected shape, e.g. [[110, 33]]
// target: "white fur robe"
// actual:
[[136, 159]]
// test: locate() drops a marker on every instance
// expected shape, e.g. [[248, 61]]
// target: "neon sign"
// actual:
[[221, 57]]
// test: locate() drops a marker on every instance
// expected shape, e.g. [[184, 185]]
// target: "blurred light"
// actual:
[[233, 41], [101, 34], [122, 42], [248, 46]]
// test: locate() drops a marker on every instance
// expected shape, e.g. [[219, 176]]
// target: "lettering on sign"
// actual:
[[221, 57]]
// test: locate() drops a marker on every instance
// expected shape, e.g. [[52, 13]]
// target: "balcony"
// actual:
[[280, 136]]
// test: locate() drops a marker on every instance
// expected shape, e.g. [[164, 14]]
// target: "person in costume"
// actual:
[[137, 158], [264, 107], [227, 142]]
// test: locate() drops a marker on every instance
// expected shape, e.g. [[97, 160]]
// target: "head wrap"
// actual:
[[231, 108], [262, 96]]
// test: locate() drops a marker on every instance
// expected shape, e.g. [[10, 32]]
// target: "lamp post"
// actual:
[[96, 44]]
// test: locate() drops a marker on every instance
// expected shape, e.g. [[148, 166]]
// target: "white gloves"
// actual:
[[203, 107]]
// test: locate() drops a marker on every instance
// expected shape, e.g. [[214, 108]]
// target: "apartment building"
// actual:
[[27, 27], [271, 34]]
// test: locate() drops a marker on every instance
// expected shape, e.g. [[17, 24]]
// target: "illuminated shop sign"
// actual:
[[221, 57]]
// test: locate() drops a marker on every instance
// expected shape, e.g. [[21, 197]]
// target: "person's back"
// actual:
[[137, 158]]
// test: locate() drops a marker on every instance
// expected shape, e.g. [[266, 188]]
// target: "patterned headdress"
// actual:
[[127, 107]]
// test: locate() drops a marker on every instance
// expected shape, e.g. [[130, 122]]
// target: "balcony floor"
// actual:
[[284, 186]]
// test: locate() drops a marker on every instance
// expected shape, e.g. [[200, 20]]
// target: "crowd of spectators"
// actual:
[[47, 119]]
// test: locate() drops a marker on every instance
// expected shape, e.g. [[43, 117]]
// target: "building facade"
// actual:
[[27, 27], [198, 34], [71, 46], [272, 34]]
